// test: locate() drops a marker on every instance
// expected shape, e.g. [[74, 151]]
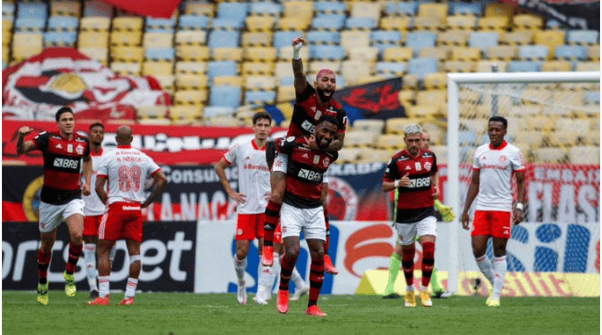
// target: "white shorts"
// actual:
[[52, 215], [407, 232], [310, 220], [280, 163]]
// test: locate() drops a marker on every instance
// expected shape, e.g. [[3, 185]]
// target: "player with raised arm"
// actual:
[[61, 198], [126, 169], [308, 160], [395, 260], [492, 170], [93, 208], [310, 105], [414, 172]]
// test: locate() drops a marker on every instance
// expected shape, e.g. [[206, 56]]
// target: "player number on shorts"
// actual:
[[129, 178]]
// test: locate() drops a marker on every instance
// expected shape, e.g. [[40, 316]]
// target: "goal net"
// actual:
[[554, 119]]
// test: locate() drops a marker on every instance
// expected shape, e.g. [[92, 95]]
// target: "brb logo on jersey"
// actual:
[[310, 175], [66, 163]]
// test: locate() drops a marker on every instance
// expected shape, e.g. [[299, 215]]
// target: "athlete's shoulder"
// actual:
[[427, 154], [401, 155], [512, 148], [481, 149]]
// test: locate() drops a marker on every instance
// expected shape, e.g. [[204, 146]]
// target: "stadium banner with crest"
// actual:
[[168, 251], [37, 87], [575, 14]]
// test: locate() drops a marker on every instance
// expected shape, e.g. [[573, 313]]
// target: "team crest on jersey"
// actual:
[[417, 166], [316, 159], [318, 115], [79, 149], [326, 161], [502, 159], [69, 148], [427, 166]]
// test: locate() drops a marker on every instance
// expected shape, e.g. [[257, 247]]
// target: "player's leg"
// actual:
[[50, 218], [427, 231], [407, 234], [328, 266], [315, 235], [272, 210], [91, 224], [245, 233], [480, 234], [394, 264], [74, 218], [109, 231], [135, 266], [501, 223], [291, 224]]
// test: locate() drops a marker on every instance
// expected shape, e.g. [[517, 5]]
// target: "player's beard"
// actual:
[[323, 95], [319, 143]]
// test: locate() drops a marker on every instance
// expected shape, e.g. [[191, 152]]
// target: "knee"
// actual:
[[292, 252], [77, 238], [241, 253]]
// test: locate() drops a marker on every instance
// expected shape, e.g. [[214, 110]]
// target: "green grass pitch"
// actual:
[[187, 313]]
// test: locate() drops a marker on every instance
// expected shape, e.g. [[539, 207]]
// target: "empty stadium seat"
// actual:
[[432, 23], [422, 66], [258, 82], [30, 24], [226, 54], [420, 39], [125, 38], [191, 81], [217, 111], [157, 40], [466, 53], [260, 54], [199, 9], [483, 40], [190, 97], [582, 37], [389, 142], [233, 10], [62, 23], [435, 81], [32, 10], [397, 125], [95, 23], [593, 52], [192, 52], [556, 66], [584, 155], [373, 126], [185, 114], [322, 37], [361, 23], [128, 54], [98, 54], [550, 155], [301, 10], [382, 39], [257, 68], [466, 8], [60, 38], [355, 39], [260, 97], [285, 93], [496, 23], [517, 37], [293, 23], [533, 52], [226, 24], [459, 66], [285, 38], [286, 53], [221, 68], [228, 81], [395, 23], [397, 54], [453, 37], [161, 54], [524, 66], [266, 9], [527, 21], [391, 69], [259, 38], [487, 66], [97, 8], [193, 22], [330, 22], [502, 52], [329, 7], [157, 68], [463, 22], [441, 53], [363, 54], [126, 68], [219, 38], [226, 96], [326, 52], [127, 23], [570, 52]]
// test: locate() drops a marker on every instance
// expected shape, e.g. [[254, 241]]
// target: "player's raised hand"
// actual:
[[24, 131], [298, 42], [405, 180]]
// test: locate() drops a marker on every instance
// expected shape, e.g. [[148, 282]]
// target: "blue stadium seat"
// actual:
[[464, 8], [227, 24], [8, 9], [553, 24], [422, 66], [60, 38], [524, 66], [420, 39], [483, 40], [467, 137], [570, 52], [160, 23], [592, 98], [323, 37], [284, 38], [233, 10], [223, 39], [226, 96], [328, 22], [30, 24], [391, 68], [287, 81], [408, 8], [62, 23], [382, 39], [329, 52], [32, 10], [364, 23], [221, 68], [211, 111], [581, 36], [193, 22], [329, 7], [533, 52], [167, 54], [265, 8], [260, 97]]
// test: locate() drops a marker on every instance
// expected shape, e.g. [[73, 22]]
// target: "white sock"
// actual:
[[499, 270], [296, 277], [264, 276], [90, 261], [130, 289], [276, 271], [103, 286], [424, 288], [485, 266], [240, 266]]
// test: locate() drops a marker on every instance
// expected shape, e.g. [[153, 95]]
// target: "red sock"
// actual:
[[286, 269], [316, 278], [428, 261], [272, 214], [43, 259], [74, 251], [407, 261]]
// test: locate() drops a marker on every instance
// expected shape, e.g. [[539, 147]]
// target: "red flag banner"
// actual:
[[162, 9], [34, 89]]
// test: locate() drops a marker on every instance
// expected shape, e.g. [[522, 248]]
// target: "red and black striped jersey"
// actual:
[[62, 164], [307, 112], [414, 202], [305, 172]]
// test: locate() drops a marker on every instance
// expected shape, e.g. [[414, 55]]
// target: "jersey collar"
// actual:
[[502, 146], [124, 147], [407, 153], [255, 146], [98, 154]]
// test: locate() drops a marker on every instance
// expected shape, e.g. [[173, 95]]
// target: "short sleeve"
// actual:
[[517, 161], [87, 151], [152, 167], [435, 168], [287, 145], [342, 117], [230, 156], [391, 172], [475, 163], [103, 168], [41, 140]]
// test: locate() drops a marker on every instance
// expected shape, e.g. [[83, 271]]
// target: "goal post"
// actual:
[[536, 104]]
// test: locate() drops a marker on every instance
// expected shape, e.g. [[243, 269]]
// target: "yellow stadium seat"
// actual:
[[166, 82], [432, 23], [587, 66], [353, 70], [256, 39], [348, 155], [293, 23], [199, 8], [191, 81], [396, 125], [125, 23], [551, 38], [236, 81], [486, 66], [158, 40], [533, 139], [397, 54], [255, 54], [550, 155], [369, 79], [502, 52], [225, 54], [98, 54], [185, 114], [126, 38], [283, 69], [432, 9], [127, 54], [152, 112], [371, 155], [527, 21], [395, 23], [285, 93], [26, 45], [498, 23], [459, 66], [355, 39], [286, 53], [259, 23], [7, 25], [453, 37], [556, 66], [463, 22], [358, 138], [435, 81], [584, 155], [191, 37], [298, 9], [191, 67], [190, 97], [192, 53], [407, 97], [517, 37], [410, 82], [260, 83], [389, 142], [593, 52], [65, 8], [5, 55], [132, 69], [95, 23], [315, 66], [150, 68], [363, 54], [466, 54], [499, 9], [258, 68], [441, 53], [436, 98], [373, 126], [366, 9], [93, 39]]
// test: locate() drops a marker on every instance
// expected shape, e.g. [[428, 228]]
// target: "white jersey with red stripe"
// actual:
[[92, 204], [253, 176], [127, 170], [496, 167]]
